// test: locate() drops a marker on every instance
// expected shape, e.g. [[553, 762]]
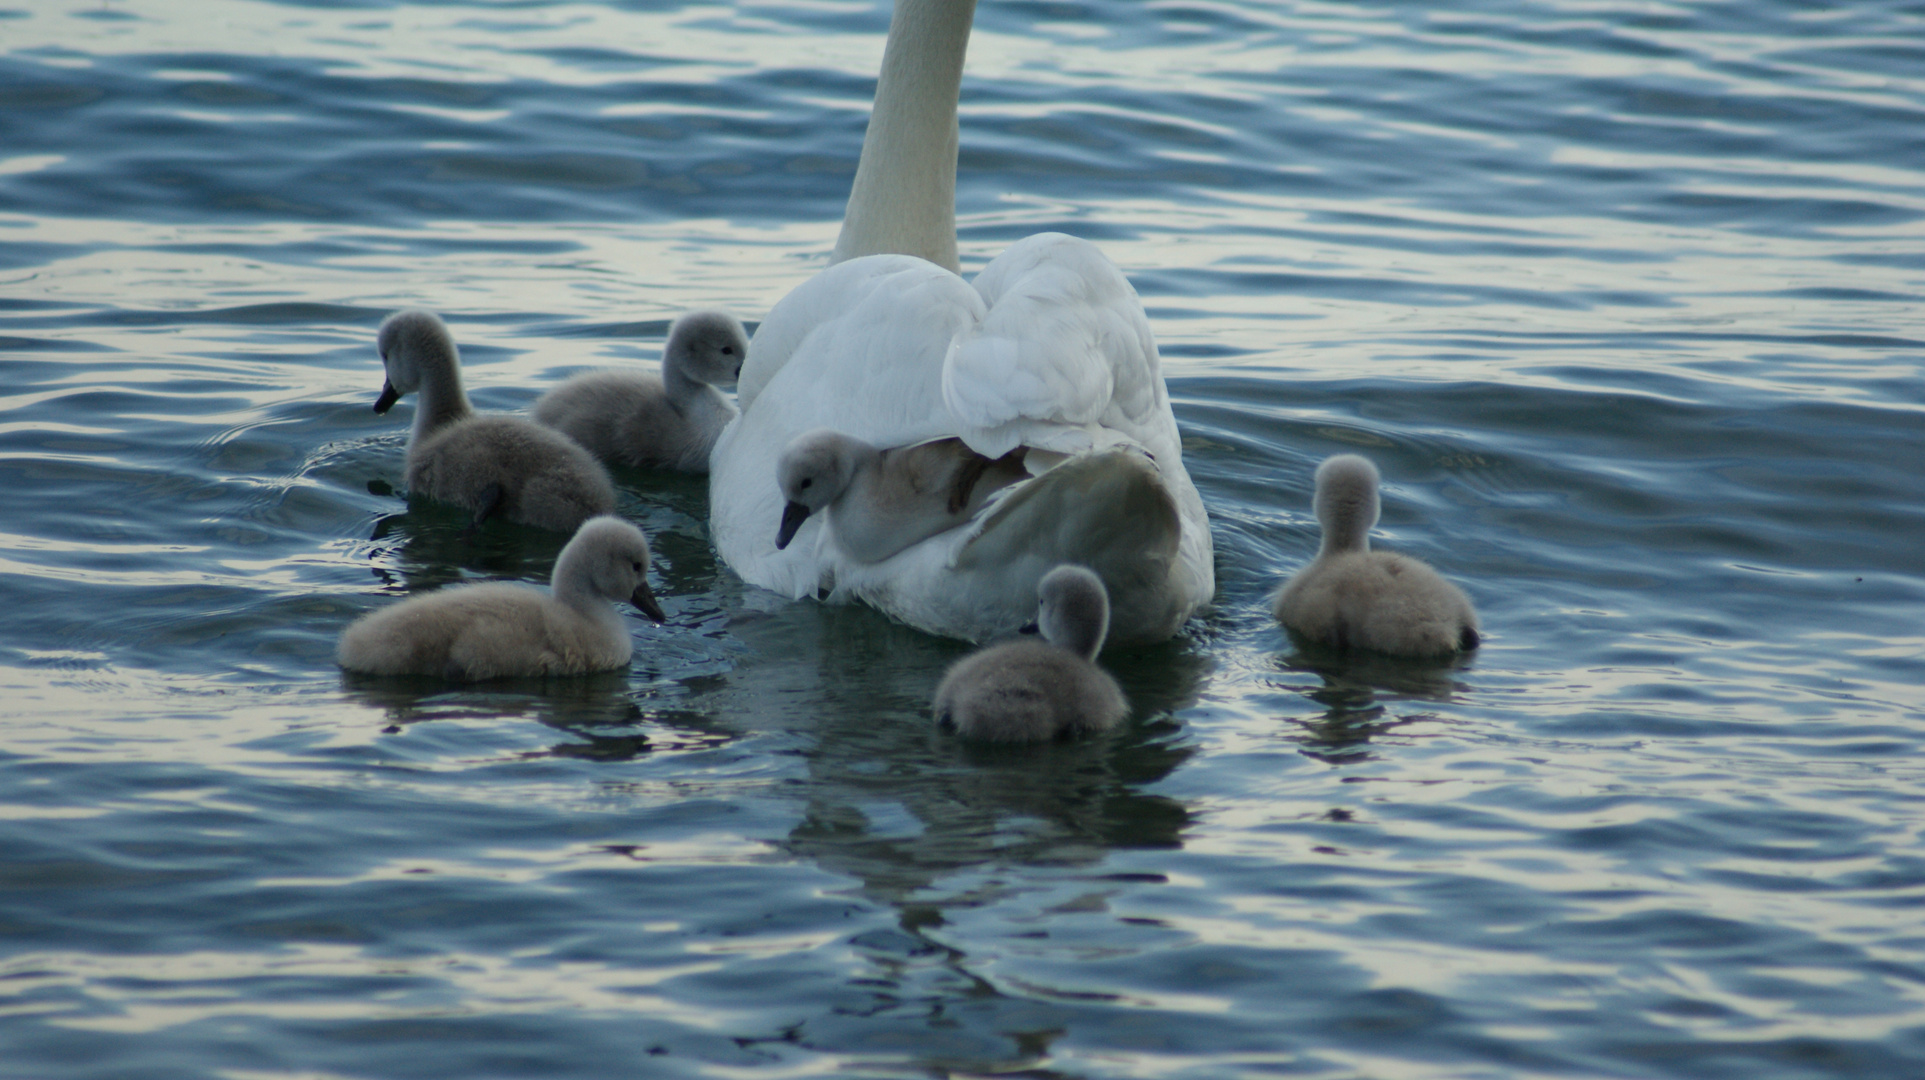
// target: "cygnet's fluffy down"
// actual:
[[495, 629], [1032, 691], [879, 502], [490, 464], [669, 420], [1353, 597]]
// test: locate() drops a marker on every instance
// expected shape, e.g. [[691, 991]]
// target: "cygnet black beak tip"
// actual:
[[1030, 628], [645, 602], [389, 395], [793, 515]]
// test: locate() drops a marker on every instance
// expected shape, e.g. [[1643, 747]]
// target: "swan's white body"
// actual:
[[1049, 348]]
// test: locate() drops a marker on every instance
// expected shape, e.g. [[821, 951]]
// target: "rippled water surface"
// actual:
[[1623, 297]]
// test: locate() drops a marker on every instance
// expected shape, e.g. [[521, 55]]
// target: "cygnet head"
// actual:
[[1074, 610], [409, 342], [1347, 505], [817, 467], [708, 346], [610, 557]]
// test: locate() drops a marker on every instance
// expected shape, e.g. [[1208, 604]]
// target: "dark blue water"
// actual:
[[1626, 300]]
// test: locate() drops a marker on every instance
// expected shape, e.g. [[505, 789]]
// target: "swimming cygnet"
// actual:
[[881, 501], [1029, 691], [489, 464], [496, 629], [669, 420], [1353, 597]]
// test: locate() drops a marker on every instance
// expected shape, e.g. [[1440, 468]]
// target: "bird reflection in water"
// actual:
[[900, 807], [1362, 694], [599, 713], [430, 546]]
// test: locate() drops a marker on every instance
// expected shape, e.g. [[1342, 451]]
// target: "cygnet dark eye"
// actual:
[[728, 350], [637, 566], [806, 483]]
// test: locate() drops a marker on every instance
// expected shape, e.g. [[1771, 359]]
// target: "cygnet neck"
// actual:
[[573, 581], [681, 387], [1347, 504], [442, 400], [417, 346], [903, 200], [1075, 613], [865, 465]]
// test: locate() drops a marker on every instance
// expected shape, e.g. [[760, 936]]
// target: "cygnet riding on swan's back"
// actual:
[[1030, 691], [1353, 597], [495, 629], [1047, 351], [489, 464], [647, 420], [879, 502]]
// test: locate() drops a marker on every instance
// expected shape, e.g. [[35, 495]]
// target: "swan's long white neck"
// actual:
[[904, 197]]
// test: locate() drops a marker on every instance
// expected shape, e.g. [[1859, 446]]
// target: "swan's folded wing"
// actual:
[[1064, 344]]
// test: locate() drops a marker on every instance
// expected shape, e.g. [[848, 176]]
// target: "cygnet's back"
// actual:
[[879, 502], [670, 420], [489, 464], [1032, 691], [494, 629], [1352, 597]]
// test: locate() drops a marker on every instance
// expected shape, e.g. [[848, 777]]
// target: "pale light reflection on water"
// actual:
[[1623, 298]]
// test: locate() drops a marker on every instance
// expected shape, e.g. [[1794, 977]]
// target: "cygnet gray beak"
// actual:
[[793, 515], [389, 395], [644, 600]]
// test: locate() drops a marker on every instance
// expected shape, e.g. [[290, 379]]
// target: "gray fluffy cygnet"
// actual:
[[489, 464], [1353, 597], [879, 502], [495, 629], [1032, 691], [670, 420]]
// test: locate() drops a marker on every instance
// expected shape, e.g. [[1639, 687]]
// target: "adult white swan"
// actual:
[[1048, 348]]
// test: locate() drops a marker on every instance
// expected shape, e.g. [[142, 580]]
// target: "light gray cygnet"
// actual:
[[489, 464], [879, 502], [496, 629], [1352, 597], [670, 420], [1033, 691]]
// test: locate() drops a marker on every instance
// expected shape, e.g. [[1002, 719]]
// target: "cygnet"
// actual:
[[1031, 691], [489, 464], [879, 502], [1353, 597], [496, 629], [669, 420]]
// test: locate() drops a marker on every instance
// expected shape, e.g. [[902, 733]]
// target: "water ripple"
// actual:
[[1623, 298]]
